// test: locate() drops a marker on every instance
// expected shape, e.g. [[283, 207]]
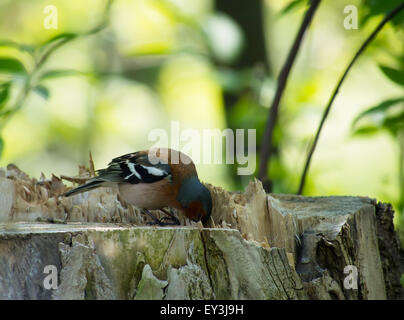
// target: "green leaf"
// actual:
[[59, 73], [63, 36], [42, 91], [382, 7], [382, 107], [11, 65], [19, 46], [291, 6], [4, 93], [366, 130], [394, 75], [394, 124]]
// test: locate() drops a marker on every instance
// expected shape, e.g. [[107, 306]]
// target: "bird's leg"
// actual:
[[155, 220], [171, 216]]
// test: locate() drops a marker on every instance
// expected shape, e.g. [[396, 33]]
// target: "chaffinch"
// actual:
[[156, 179]]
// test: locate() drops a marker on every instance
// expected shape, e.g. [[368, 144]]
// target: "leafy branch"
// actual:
[[266, 148], [39, 54], [379, 27]]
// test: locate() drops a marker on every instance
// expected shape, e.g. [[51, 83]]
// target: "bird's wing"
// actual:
[[135, 168]]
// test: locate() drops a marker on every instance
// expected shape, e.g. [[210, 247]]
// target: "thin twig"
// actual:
[[266, 148], [75, 179], [387, 18], [92, 168]]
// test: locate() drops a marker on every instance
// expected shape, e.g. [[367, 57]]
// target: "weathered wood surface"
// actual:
[[111, 262], [256, 246]]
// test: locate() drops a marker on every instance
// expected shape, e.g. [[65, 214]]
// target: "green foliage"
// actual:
[[42, 91], [247, 88], [38, 55], [378, 7], [395, 75], [292, 6], [22, 47], [60, 37], [248, 114], [387, 116], [12, 66], [51, 74], [4, 93], [381, 117]]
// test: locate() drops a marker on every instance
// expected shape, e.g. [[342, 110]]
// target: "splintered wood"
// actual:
[[308, 232], [28, 199]]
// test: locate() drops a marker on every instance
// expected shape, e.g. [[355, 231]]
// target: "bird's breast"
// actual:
[[151, 196]]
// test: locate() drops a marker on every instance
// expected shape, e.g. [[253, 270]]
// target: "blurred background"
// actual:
[[80, 76]]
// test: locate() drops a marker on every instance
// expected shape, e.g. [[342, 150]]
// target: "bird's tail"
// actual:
[[92, 184]]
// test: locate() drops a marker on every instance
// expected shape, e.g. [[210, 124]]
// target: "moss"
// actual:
[[90, 291], [129, 268], [124, 236]]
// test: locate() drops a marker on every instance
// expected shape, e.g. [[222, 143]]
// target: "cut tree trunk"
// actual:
[[256, 246]]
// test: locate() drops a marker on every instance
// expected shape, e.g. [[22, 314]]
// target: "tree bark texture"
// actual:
[[256, 246]]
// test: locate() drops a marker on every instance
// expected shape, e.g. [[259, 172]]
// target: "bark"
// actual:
[[256, 246]]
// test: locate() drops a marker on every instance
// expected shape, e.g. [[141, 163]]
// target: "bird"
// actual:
[[155, 179]]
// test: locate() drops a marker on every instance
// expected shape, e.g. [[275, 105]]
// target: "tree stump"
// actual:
[[256, 246]]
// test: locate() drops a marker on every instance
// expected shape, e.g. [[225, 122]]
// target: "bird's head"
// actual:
[[195, 199]]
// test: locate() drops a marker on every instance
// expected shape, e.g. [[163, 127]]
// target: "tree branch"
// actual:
[[266, 148], [29, 81], [387, 18]]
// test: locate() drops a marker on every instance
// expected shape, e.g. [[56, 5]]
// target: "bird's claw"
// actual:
[[171, 216], [174, 220]]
